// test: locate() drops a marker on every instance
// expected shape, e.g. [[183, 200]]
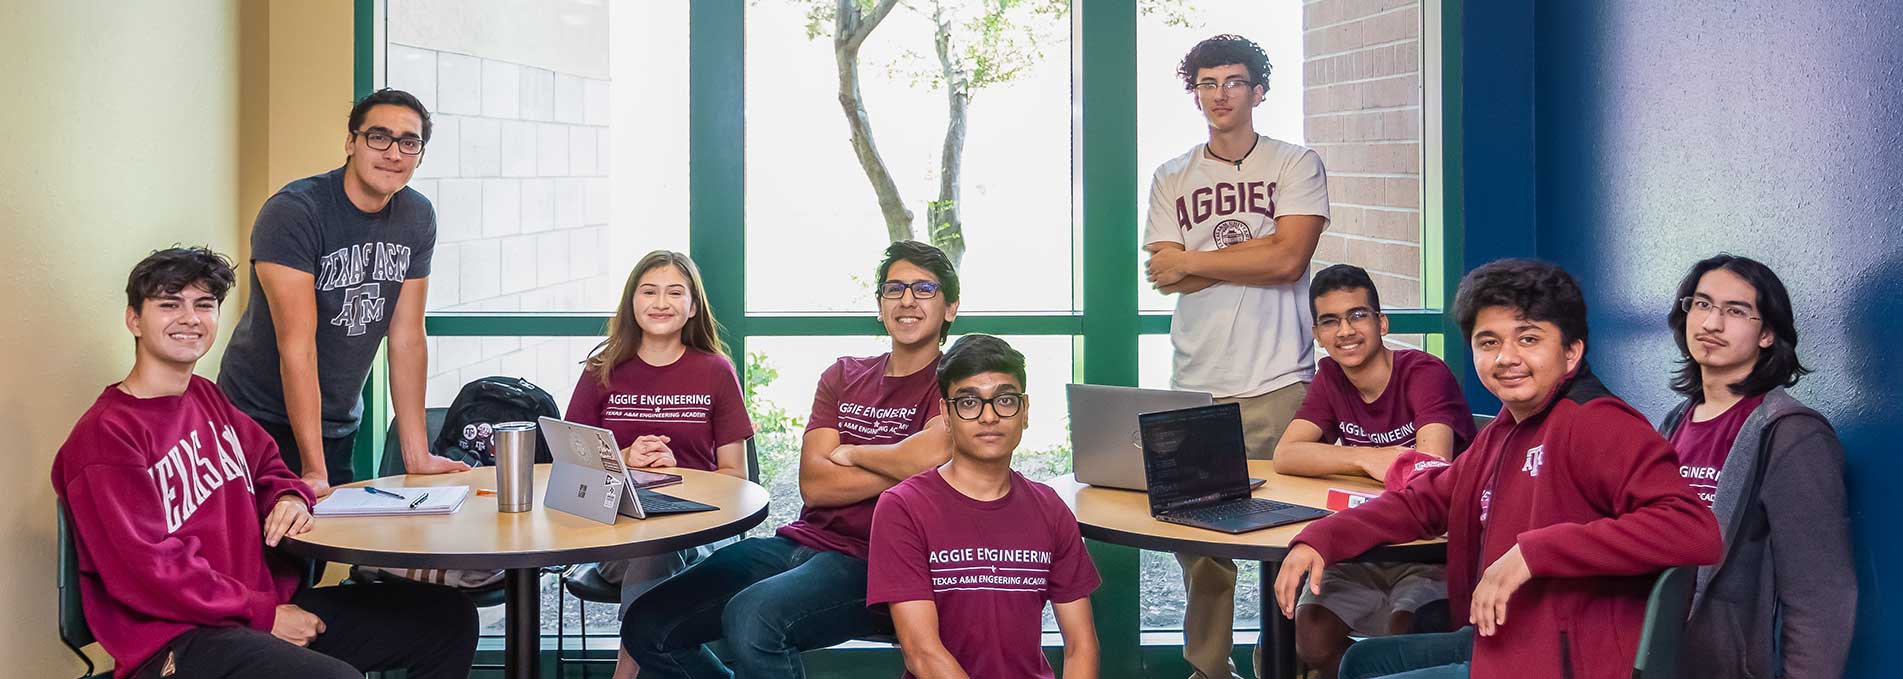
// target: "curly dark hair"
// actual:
[[1540, 291], [1224, 50], [165, 272], [1777, 366]]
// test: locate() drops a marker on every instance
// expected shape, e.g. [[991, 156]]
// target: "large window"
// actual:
[[967, 148], [574, 136]]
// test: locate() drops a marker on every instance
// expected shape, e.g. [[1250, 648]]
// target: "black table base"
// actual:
[[1277, 644], [522, 636]]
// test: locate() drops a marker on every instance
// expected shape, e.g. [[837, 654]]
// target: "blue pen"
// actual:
[[373, 490]]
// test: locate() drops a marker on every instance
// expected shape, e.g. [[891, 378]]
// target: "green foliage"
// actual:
[[768, 417]]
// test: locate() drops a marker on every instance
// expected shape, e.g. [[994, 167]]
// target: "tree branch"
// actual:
[[850, 31]]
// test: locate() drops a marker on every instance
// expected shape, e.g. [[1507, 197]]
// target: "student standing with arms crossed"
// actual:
[[339, 261], [1783, 601], [663, 383], [1233, 224]]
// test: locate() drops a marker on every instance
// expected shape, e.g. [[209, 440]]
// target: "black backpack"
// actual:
[[468, 433]]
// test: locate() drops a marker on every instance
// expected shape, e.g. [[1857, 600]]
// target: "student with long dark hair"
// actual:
[[1784, 599], [662, 382]]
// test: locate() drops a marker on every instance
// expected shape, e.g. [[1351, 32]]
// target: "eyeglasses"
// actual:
[[1231, 86], [1331, 322], [1703, 308], [920, 289], [972, 407], [378, 141]]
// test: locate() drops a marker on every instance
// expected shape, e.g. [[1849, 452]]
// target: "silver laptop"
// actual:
[[588, 479], [1105, 443]]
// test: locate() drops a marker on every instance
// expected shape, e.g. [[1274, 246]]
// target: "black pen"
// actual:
[[419, 500]]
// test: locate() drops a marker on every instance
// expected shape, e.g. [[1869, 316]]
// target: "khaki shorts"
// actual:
[[1266, 416], [1365, 595]]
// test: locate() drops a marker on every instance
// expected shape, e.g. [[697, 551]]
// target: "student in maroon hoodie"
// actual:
[[1558, 517], [174, 496]]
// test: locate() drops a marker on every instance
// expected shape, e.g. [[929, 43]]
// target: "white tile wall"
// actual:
[[551, 143], [518, 148], [501, 207], [501, 89], [458, 83], [414, 70], [481, 147], [443, 156]]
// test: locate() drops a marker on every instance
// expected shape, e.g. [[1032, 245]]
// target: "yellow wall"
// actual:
[[129, 127]]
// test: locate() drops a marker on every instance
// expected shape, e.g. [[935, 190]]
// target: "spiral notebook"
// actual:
[[416, 500]]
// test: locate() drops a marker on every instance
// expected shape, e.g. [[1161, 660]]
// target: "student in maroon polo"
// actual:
[[875, 422], [1377, 404], [1772, 471], [1558, 517], [968, 553]]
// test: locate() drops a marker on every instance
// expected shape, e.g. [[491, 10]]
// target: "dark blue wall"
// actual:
[[1665, 132]]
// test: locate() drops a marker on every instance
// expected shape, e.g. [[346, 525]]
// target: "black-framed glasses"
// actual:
[[378, 141], [1703, 308], [1355, 316], [1232, 86], [1005, 405], [920, 289]]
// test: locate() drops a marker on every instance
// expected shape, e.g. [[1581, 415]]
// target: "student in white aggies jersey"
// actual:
[[1233, 224]]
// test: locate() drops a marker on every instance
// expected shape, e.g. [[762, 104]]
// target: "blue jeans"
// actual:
[[769, 598], [1411, 656]]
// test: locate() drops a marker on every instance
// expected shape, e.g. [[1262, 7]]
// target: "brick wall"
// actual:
[[1362, 112], [517, 169]]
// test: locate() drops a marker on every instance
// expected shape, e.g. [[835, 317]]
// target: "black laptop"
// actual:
[[1198, 472]]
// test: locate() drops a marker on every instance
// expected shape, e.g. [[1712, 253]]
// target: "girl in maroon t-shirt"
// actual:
[[663, 384]]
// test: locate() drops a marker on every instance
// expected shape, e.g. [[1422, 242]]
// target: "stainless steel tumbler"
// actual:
[[515, 466]]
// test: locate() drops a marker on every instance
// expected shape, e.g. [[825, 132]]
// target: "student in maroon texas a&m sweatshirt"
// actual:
[[1558, 517], [175, 497]]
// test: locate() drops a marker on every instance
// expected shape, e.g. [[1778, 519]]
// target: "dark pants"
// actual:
[[337, 452], [769, 598], [1411, 656], [429, 630]]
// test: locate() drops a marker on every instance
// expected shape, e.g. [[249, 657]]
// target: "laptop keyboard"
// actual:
[[1230, 510], [658, 503]]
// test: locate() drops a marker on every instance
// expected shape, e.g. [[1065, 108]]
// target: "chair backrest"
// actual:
[[73, 630], [753, 460], [393, 446], [1481, 421], [1665, 613]]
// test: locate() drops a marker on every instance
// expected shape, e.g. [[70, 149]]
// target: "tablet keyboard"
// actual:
[[1230, 510]]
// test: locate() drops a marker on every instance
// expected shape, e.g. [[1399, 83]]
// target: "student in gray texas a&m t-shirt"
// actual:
[[339, 262]]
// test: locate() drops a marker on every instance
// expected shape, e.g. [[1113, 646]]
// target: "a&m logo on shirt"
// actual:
[[1535, 456]]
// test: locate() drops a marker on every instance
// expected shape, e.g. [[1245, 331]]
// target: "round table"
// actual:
[[479, 537], [1122, 517]]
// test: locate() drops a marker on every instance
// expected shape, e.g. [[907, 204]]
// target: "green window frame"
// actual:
[[1105, 195]]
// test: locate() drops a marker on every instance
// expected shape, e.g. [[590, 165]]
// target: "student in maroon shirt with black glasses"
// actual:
[[967, 553], [1558, 517], [1772, 471]]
